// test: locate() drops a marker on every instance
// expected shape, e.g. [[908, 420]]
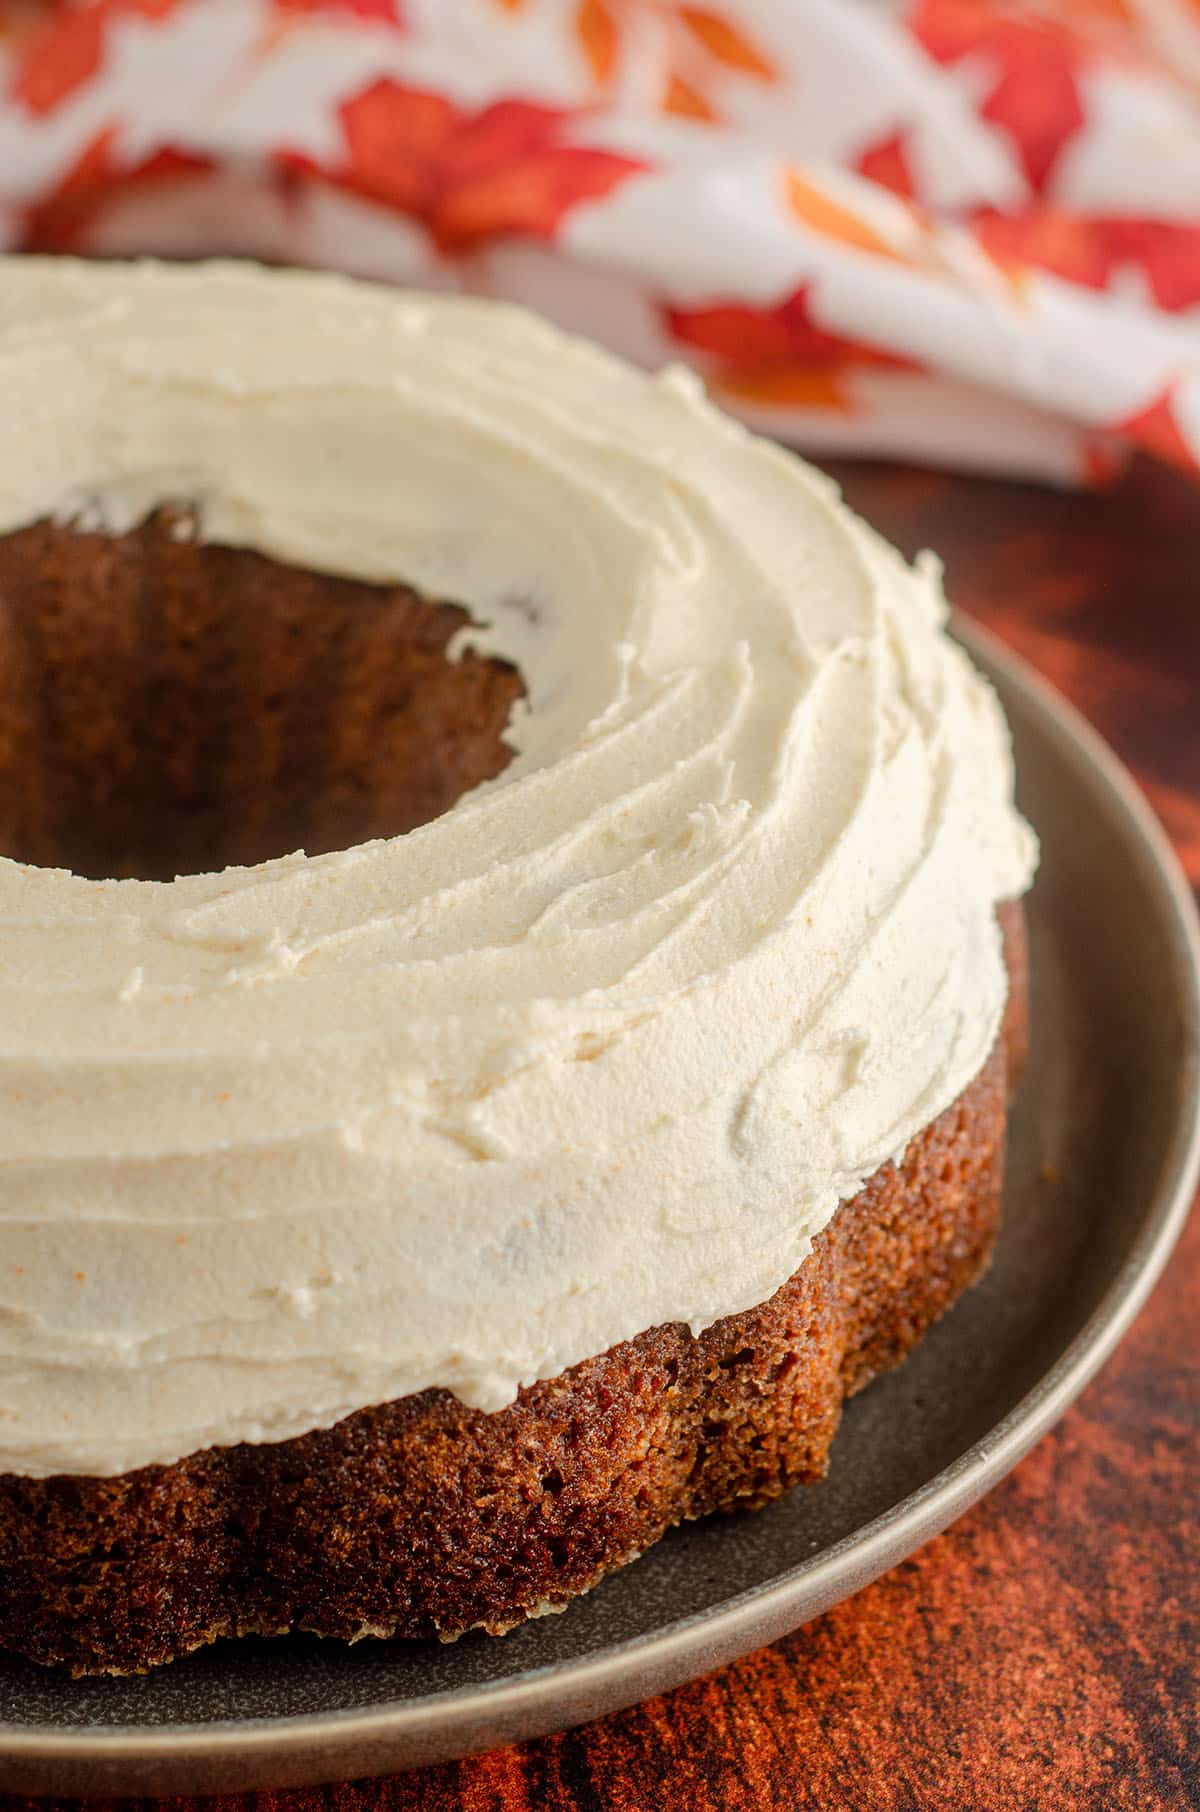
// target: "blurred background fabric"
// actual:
[[961, 231]]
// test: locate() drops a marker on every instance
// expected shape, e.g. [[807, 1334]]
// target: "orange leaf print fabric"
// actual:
[[61, 220], [386, 11], [886, 163], [506, 170], [1035, 96], [61, 59], [69, 50], [724, 40], [775, 354], [961, 230], [783, 334], [1094, 252], [1157, 428], [817, 209], [598, 37], [689, 103]]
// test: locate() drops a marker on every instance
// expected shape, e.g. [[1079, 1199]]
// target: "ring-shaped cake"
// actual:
[[398, 1238]]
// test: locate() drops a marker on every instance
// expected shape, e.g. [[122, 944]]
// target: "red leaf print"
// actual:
[[470, 177], [1037, 102], [737, 334], [69, 50], [1167, 250], [61, 219], [597, 32], [1102, 464], [394, 137], [504, 133], [790, 387], [724, 40], [784, 333], [20, 20], [1036, 97], [887, 164], [681, 98], [60, 59], [529, 197], [386, 12], [1156, 428], [776, 356], [55, 224], [1053, 241], [1092, 251], [817, 209]]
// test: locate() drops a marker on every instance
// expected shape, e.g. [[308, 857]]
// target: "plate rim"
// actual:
[[404, 1733]]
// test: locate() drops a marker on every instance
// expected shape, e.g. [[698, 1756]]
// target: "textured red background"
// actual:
[[1042, 1655]]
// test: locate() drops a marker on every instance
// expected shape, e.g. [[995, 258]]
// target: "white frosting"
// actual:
[[600, 1048]]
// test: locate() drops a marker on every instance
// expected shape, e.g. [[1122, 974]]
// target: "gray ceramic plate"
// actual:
[[1109, 1110]]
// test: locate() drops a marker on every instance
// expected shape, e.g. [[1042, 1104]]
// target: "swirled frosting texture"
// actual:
[[602, 1047]]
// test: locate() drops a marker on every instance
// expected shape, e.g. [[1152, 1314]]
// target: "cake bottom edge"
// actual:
[[422, 1517]]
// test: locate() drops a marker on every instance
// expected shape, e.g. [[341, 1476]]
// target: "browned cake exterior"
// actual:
[[419, 1516], [422, 1516]]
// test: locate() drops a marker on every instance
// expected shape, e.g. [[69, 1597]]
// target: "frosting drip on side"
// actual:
[[602, 1047]]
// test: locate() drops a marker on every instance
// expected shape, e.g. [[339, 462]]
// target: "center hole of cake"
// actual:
[[170, 707]]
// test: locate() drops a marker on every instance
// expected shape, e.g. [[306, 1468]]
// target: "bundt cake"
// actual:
[[400, 1235]]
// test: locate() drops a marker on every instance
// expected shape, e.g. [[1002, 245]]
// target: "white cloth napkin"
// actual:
[[959, 230]]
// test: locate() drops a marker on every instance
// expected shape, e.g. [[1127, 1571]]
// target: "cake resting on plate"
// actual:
[[401, 1235]]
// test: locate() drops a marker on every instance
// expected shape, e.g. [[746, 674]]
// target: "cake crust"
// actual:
[[423, 1517]]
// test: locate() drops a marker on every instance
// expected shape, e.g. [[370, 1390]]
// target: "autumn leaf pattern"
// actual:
[[68, 50], [509, 169], [384, 12], [599, 38], [64, 55], [681, 97], [886, 162], [1036, 60], [61, 220], [707, 48], [725, 40], [816, 208], [1095, 250], [799, 254], [775, 354], [1156, 427], [701, 48]]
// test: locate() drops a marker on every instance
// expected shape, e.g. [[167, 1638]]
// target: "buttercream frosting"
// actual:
[[600, 1048]]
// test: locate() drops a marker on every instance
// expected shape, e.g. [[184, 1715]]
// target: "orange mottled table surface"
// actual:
[[1042, 1655]]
